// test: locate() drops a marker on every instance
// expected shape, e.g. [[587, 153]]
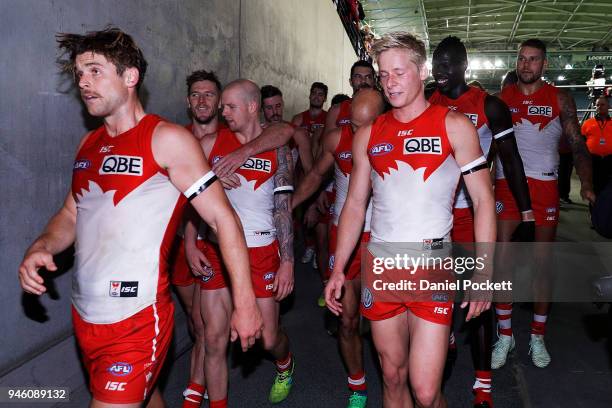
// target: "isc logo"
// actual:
[[115, 386], [441, 310], [380, 149], [540, 111], [423, 145], [345, 155], [123, 289], [473, 117], [405, 132], [254, 163], [127, 165]]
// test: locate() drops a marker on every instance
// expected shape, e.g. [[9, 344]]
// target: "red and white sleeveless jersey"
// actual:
[[472, 104], [313, 123], [537, 128], [127, 215], [253, 201], [344, 114], [414, 178], [343, 166]]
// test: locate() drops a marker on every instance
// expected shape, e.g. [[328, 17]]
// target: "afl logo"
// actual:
[[269, 276], [381, 149], [332, 259], [81, 164], [346, 155], [216, 159], [120, 369], [499, 207], [366, 298], [210, 272]]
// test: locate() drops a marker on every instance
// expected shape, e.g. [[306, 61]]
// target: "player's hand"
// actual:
[[230, 163], [524, 232], [283, 281], [246, 324], [476, 308], [587, 194], [230, 182], [311, 217], [323, 203], [333, 292], [197, 261], [29, 278]]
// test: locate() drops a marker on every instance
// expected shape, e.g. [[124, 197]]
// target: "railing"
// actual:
[[351, 26]]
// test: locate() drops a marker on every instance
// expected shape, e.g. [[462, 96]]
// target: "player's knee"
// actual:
[[270, 339], [198, 327], [394, 376], [216, 339], [349, 325], [425, 395]]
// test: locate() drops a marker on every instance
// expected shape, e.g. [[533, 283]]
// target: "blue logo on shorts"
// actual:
[[439, 297], [499, 207], [210, 273], [269, 276], [120, 369], [366, 298], [332, 259]]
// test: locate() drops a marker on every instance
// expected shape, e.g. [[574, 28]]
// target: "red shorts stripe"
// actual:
[[463, 225], [353, 268], [123, 359], [264, 262], [544, 201]]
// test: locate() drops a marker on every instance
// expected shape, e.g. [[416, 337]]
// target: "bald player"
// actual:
[[336, 151], [262, 201]]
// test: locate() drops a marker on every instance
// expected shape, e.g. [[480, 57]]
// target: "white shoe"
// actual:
[[537, 349], [502, 347], [308, 255]]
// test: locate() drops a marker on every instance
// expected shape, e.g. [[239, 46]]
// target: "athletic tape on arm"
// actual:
[[199, 186], [283, 190], [474, 166], [503, 134]]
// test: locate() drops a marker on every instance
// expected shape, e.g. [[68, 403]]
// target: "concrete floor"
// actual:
[[580, 374]]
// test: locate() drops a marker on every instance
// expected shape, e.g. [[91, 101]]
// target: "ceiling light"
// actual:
[[475, 64], [561, 78], [499, 63], [568, 66], [488, 64]]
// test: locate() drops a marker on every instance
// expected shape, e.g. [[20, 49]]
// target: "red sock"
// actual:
[[284, 365], [482, 387], [503, 311], [219, 403], [193, 395], [538, 324], [357, 382]]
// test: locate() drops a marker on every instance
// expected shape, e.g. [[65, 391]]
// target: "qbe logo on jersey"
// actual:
[[540, 111], [123, 289], [257, 164], [124, 165], [423, 145]]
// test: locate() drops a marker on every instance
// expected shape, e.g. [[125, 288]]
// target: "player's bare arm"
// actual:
[[352, 217], [297, 120], [175, 149], [273, 136], [320, 169], [302, 140], [195, 258], [500, 123], [283, 187], [582, 158], [57, 236], [468, 154]]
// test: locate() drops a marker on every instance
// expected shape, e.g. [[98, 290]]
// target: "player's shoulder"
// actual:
[[457, 121]]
